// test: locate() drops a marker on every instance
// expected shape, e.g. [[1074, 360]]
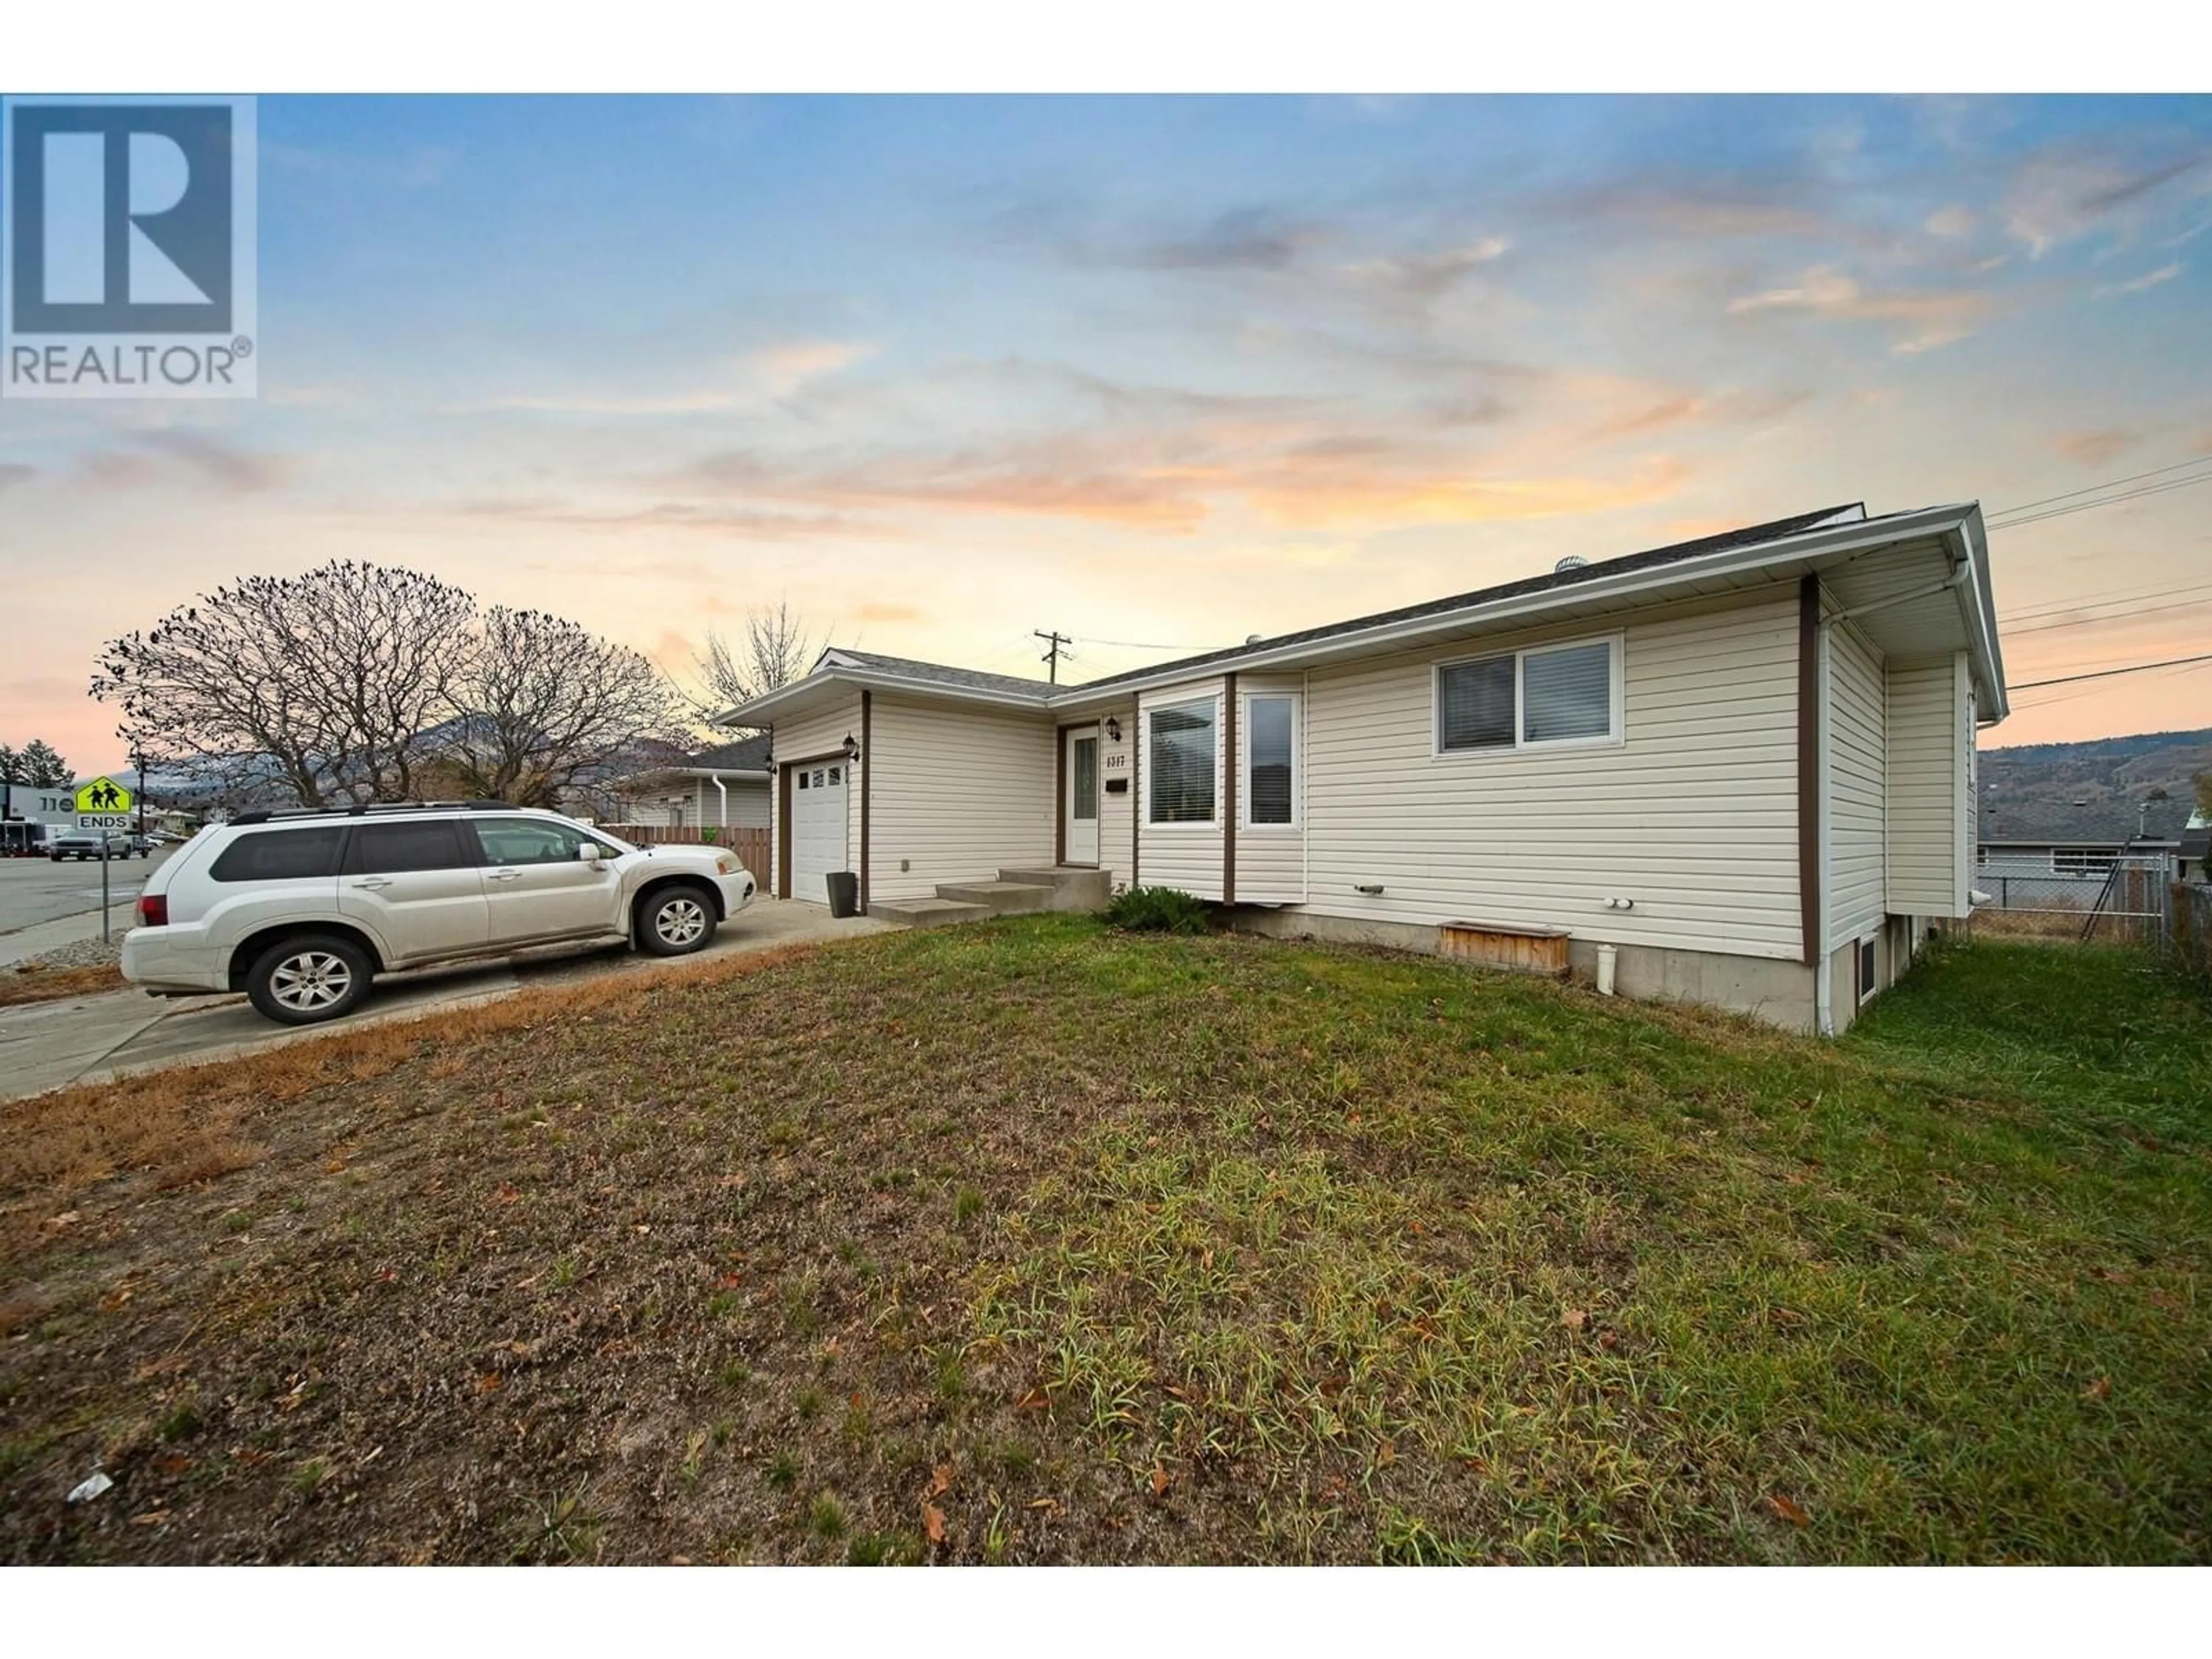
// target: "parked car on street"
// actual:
[[301, 910], [90, 844]]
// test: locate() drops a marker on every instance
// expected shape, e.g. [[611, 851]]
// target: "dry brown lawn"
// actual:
[[1035, 1243]]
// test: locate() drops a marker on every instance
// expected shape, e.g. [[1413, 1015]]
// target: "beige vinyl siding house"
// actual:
[[1689, 812], [1736, 770], [1857, 860], [1929, 821], [1186, 853], [921, 832]]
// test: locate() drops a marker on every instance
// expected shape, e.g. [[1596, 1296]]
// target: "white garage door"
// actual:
[[817, 830]]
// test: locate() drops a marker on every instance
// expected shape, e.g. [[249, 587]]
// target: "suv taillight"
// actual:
[[152, 909]]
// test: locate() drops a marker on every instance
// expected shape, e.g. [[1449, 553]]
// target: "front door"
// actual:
[[1080, 809]]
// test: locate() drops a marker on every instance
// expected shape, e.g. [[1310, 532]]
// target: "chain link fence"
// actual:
[[2131, 903]]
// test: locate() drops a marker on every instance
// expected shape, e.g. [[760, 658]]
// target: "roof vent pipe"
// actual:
[[1572, 562]]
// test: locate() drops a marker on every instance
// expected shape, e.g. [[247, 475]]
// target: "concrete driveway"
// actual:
[[99, 1038]]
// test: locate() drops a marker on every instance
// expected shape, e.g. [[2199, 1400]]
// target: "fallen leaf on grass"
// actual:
[[489, 1382], [1791, 1509], [1049, 1505], [1161, 1481], [2099, 1390], [940, 1479], [933, 1522], [1033, 1401], [1575, 1318], [1387, 1453], [151, 1518]]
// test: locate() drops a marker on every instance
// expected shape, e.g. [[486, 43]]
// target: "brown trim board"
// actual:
[[1228, 770], [783, 829], [1809, 766], [1136, 785], [867, 771], [1059, 793]]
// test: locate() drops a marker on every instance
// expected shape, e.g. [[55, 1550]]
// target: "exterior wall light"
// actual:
[[852, 748], [1114, 728]]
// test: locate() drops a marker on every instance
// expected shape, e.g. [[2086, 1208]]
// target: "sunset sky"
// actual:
[[1160, 373]]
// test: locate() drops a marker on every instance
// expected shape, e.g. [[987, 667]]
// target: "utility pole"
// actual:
[[1054, 641]]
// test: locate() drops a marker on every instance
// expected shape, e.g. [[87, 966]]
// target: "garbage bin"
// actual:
[[844, 893]]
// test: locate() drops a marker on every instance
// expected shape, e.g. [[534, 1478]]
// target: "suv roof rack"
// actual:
[[287, 814]]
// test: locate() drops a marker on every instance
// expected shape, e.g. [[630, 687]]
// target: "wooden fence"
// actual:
[[750, 845], [2190, 939]]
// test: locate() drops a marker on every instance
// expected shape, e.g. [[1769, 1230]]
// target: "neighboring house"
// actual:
[[2192, 858], [1745, 762], [723, 787], [2084, 839]]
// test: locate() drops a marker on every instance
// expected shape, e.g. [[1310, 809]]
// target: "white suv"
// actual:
[[300, 910]]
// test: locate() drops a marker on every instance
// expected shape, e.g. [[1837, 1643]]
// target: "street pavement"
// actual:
[[34, 890], [97, 1039]]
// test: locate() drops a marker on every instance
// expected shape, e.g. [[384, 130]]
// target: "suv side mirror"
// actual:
[[592, 853]]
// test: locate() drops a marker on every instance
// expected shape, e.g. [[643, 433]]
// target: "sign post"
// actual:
[[104, 805]]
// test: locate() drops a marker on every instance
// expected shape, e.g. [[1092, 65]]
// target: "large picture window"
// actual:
[[1534, 699], [1271, 760], [1179, 763]]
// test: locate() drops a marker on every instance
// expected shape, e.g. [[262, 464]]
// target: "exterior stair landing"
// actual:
[[1014, 893]]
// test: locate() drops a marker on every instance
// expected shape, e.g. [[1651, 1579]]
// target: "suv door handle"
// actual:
[[504, 875], [371, 881]]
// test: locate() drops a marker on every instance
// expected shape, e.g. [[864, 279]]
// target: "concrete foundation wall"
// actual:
[[1777, 993]]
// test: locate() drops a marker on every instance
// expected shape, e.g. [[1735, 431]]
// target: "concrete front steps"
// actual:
[[1015, 893]]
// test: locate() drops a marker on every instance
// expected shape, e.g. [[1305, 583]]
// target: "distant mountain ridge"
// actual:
[[2092, 791]]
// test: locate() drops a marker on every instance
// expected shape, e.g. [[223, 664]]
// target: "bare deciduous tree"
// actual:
[[547, 703], [324, 686], [775, 651], [356, 682]]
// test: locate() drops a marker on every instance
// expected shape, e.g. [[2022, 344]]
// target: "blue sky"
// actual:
[[939, 370]]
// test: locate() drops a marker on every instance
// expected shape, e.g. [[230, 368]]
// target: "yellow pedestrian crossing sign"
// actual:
[[103, 795]]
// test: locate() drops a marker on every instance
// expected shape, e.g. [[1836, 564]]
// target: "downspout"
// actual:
[[1824, 989], [721, 789]]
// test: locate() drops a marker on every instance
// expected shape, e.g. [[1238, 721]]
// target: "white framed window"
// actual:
[[1182, 749], [1868, 969], [1271, 760], [2082, 860], [1547, 696]]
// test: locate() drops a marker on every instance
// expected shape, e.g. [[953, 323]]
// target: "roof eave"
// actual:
[[1823, 542], [761, 711]]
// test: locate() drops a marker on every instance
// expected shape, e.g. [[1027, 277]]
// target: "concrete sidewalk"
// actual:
[[41, 937], [99, 1039]]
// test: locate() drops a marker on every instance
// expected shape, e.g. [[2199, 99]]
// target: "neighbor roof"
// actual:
[[2110, 822], [745, 755]]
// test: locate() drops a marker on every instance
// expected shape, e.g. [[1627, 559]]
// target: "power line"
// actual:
[[2114, 617], [1147, 644], [2091, 489], [2107, 673], [2059, 607], [2016, 522]]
